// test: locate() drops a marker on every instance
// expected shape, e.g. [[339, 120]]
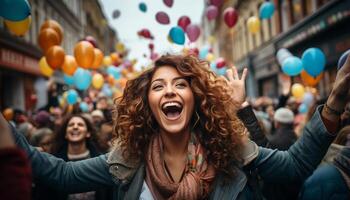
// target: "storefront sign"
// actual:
[[18, 61]]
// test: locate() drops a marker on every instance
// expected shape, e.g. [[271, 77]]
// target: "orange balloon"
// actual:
[[55, 26], [55, 57], [8, 114], [115, 58], [98, 59], [110, 80], [84, 54], [69, 65], [308, 80], [122, 82], [47, 38]]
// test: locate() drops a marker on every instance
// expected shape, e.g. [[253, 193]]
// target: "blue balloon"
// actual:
[[84, 107], [72, 97], [342, 58], [221, 71], [266, 10], [107, 90], [303, 108], [292, 66], [314, 61], [308, 98], [114, 71], [177, 35], [203, 53], [143, 7], [14, 10], [82, 78], [69, 80]]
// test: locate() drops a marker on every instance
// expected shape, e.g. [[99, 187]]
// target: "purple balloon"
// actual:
[[211, 12], [216, 2], [162, 18], [168, 3], [193, 31]]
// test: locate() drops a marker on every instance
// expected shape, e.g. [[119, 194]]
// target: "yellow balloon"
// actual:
[[120, 47], [107, 60], [19, 28], [298, 90], [97, 81], [253, 24], [210, 57], [45, 68]]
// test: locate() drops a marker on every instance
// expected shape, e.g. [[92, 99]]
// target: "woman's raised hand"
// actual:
[[5, 134], [237, 84]]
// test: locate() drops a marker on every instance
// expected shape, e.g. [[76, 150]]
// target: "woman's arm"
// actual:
[[71, 177]]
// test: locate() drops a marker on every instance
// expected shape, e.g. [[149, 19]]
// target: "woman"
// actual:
[[177, 137]]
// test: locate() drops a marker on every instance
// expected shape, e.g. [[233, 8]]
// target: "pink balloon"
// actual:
[[193, 31], [230, 17], [183, 22], [168, 3], [162, 18], [211, 12], [220, 63], [216, 2], [154, 56]]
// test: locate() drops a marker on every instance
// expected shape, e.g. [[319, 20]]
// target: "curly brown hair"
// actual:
[[218, 127]]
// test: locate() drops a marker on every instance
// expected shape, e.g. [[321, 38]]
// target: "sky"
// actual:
[[131, 20]]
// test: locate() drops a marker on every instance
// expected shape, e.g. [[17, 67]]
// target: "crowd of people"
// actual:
[[181, 132]]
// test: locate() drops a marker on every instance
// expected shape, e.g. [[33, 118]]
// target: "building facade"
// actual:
[[21, 84]]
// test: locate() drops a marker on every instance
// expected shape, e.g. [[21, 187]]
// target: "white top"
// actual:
[[145, 192]]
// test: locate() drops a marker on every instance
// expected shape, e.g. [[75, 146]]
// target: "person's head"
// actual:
[[179, 94], [75, 129], [42, 138], [283, 117], [104, 137], [343, 136], [97, 117], [42, 119], [102, 102], [27, 129]]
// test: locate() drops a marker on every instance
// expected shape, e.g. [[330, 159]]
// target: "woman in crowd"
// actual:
[[177, 136]]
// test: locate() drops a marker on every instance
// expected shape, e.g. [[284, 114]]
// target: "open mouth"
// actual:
[[172, 110]]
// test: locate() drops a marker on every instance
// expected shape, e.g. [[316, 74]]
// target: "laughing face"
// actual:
[[171, 100], [76, 130]]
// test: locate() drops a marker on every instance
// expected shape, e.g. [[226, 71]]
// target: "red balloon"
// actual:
[[92, 40], [183, 22], [193, 51], [230, 17], [168, 3], [216, 3], [154, 56], [220, 63], [193, 31], [162, 18], [145, 33], [151, 46], [211, 12]]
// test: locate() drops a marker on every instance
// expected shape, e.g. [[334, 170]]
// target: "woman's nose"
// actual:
[[169, 92]]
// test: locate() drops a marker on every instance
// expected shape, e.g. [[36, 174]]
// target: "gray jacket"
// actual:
[[127, 176]]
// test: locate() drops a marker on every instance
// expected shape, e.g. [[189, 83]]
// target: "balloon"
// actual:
[[14, 10], [309, 80], [151, 46], [97, 81], [193, 31], [183, 22], [116, 60], [216, 3], [107, 60], [168, 3], [266, 10], [282, 54], [298, 90], [292, 66], [115, 72], [116, 14], [55, 26], [343, 58], [203, 53], [220, 63], [253, 24], [145, 33], [69, 65], [84, 54], [84, 107], [211, 12], [314, 61], [120, 47], [92, 40], [193, 51], [143, 7], [221, 71], [45, 69], [162, 18], [230, 17], [8, 114], [177, 35], [72, 97], [303, 108], [69, 80], [55, 57], [97, 59], [82, 78], [19, 28], [47, 38], [308, 98], [107, 90], [154, 56], [210, 57]]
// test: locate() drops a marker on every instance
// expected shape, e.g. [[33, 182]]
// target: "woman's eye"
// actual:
[[157, 87], [181, 85]]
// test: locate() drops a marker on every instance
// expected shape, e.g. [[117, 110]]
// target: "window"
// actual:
[[297, 10], [311, 6], [284, 15]]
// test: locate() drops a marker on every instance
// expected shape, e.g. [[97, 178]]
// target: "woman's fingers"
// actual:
[[244, 75], [229, 74], [235, 73]]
